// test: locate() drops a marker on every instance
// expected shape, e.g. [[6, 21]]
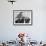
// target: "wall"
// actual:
[[38, 30]]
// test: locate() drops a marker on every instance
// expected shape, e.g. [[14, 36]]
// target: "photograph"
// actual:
[[22, 22], [22, 17]]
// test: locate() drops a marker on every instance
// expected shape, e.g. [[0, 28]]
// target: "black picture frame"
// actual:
[[22, 17]]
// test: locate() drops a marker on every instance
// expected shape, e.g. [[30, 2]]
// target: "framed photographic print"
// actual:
[[22, 17]]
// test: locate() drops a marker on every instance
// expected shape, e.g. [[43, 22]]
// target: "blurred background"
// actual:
[[8, 31]]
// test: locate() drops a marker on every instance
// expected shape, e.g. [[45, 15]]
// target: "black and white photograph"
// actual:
[[22, 17]]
